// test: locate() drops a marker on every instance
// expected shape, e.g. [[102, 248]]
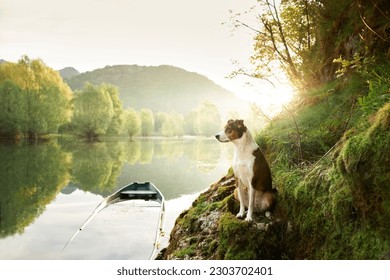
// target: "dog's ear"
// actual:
[[229, 121], [239, 123]]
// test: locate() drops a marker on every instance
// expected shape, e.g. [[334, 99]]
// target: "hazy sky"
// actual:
[[90, 34]]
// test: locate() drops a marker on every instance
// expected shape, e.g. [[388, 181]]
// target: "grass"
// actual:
[[336, 195], [330, 160]]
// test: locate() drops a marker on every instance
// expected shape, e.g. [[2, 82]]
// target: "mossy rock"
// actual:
[[240, 240]]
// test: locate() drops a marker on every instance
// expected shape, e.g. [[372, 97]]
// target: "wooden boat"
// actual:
[[125, 225]]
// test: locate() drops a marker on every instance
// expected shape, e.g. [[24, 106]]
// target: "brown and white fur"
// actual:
[[250, 169]]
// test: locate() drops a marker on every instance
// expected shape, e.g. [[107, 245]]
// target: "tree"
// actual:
[[44, 99], [93, 111], [285, 36], [147, 119], [117, 120], [169, 124], [12, 111], [132, 122], [173, 125], [207, 120], [159, 119], [304, 37]]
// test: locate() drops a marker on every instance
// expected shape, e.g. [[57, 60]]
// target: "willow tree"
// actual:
[[147, 122], [118, 120], [35, 97], [93, 111], [12, 110], [132, 124]]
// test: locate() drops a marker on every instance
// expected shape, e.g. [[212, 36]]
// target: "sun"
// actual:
[[269, 97]]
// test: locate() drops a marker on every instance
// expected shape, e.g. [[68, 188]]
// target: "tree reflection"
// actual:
[[147, 152], [170, 149], [132, 151], [30, 177], [96, 166], [205, 154]]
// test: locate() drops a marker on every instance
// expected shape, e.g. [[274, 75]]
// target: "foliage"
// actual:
[[95, 167], [30, 177], [12, 109], [93, 111], [35, 100], [147, 122], [117, 121], [336, 196], [378, 80], [347, 201], [207, 119], [132, 122], [173, 126], [285, 37], [303, 37], [169, 125]]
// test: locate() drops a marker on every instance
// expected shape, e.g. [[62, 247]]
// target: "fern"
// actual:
[[378, 95]]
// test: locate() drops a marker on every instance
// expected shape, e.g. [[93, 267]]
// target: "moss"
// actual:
[[231, 204], [341, 203], [213, 246], [186, 252], [240, 240], [236, 239], [189, 220], [341, 211], [364, 161]]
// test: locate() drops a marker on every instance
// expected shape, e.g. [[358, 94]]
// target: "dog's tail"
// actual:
[[269, 200]]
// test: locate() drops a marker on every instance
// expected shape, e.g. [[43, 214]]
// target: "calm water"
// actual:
[[48, 190]]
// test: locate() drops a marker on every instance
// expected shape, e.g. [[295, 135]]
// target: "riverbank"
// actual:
[[210, 230], [332, 206]]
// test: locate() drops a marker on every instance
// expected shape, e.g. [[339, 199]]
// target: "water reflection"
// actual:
[[95, 167], [30, 178], [35, 179]]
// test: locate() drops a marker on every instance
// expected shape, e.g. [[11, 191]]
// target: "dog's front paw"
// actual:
[[240, 215], [248, 219]]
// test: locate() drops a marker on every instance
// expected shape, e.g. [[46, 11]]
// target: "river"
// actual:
[[47, 190]]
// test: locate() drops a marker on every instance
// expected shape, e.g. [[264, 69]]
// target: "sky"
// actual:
[[90, 34]]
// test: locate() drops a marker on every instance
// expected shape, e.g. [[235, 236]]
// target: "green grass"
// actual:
[[335, 191]]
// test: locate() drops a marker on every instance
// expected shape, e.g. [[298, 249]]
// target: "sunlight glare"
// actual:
[[270, 98]]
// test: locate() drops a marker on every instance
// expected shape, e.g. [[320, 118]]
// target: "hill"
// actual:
[[68, 72], [160, 88]]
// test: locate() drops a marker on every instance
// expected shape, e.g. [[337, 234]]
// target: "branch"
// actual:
[[369, 27], [308, 24], [250, 27], [254, 76]]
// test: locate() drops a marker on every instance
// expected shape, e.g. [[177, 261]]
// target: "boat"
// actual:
[[126, 225]]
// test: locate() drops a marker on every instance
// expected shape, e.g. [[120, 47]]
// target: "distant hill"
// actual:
[[68, 72], [161, 88], [2, 61]]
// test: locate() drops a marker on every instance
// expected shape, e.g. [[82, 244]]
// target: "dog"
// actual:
[[250, 168]]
